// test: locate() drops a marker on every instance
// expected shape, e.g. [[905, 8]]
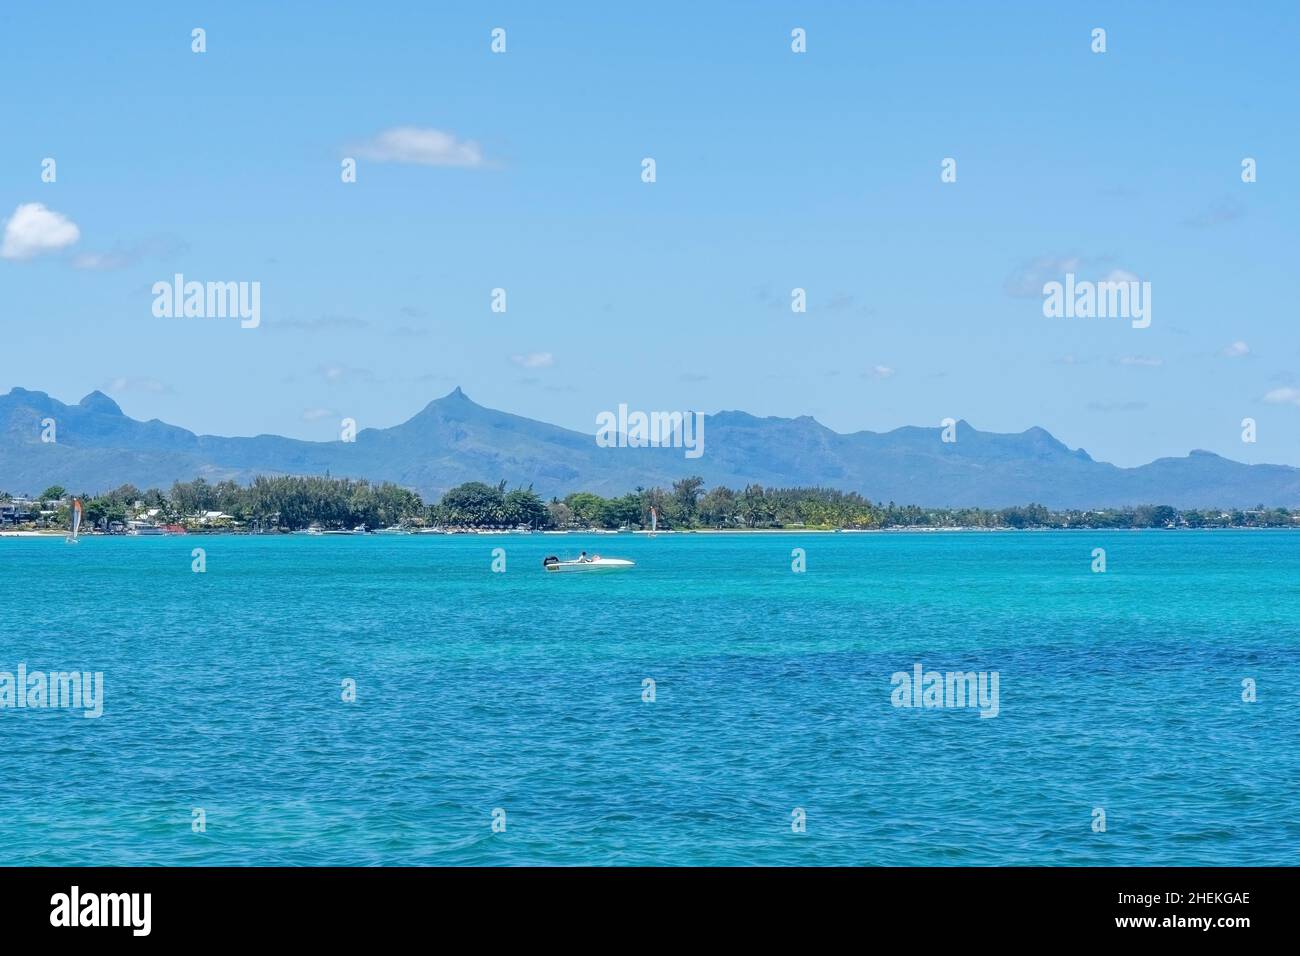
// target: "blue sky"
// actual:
[[775, 170]]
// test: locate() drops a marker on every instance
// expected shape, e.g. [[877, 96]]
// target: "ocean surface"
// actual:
[[1119, 692]]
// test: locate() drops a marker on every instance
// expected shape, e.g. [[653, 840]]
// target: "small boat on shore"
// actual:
[[594, 563]]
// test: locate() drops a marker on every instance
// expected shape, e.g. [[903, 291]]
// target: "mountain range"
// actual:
[[453, 439]]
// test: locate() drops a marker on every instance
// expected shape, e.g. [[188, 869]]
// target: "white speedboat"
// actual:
[[594, 563]]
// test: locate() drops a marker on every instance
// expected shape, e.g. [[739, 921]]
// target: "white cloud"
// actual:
[[1028, 280], [125, 384], [882, 371], [316, 414], [1283, 396], [321, 323], [534, 360], [99, 261], [33, 229], [1223, 211], [1145, 361], [1237, 349], [155, 247], [343, 374], [422, 146], [1116, 406]]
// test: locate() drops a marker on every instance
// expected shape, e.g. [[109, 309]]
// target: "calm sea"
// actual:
[[525, 692]]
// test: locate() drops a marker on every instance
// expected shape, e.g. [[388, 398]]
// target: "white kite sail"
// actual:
[[76, 520]]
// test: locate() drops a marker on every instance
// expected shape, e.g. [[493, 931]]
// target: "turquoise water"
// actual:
[[523, 691]]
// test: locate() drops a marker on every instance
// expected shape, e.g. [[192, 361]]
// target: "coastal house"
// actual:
[[215, 519], [18, 510], [146, 522]]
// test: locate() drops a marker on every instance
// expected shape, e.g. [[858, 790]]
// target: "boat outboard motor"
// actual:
[[549, 560]]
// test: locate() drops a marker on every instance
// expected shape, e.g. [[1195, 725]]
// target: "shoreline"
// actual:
[[60, 535]]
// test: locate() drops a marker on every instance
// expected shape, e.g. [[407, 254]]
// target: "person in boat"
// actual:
[[583, 559]]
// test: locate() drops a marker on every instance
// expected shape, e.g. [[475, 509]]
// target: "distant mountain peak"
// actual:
[[1044, 437], [456, 396], [735, 416], [20, 392], [97, 401]]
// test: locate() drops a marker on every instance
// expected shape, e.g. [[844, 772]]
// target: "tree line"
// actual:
[[293, 503]]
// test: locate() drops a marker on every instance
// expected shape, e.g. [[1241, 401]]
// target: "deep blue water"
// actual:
[[523, 691]]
